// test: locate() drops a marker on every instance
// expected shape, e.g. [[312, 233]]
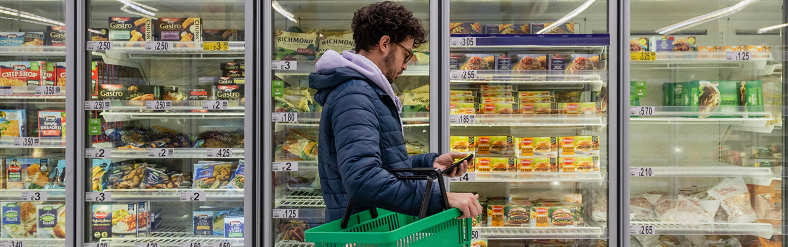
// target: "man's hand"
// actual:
[[445, 160], [466, 202]]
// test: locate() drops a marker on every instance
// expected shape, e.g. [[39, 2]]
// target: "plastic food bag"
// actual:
[[641, 205], [687, 209], [767, 202], [662, 241], [237, 181], [735, 200], [211, 175]]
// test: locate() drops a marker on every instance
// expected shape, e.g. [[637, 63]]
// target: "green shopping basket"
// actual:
[[370, 229]]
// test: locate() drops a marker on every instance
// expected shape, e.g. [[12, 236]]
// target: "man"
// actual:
[[360, 128]]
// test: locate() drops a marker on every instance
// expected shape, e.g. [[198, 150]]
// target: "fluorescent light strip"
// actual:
[[766, 29], [567, 17], [705, 18], [138, 8], [38, 18], [125, 8], [93, 31], [283, 12]]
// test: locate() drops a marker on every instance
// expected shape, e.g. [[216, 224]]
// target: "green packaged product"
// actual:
[[712, 98], [750, 95], [667, 94]]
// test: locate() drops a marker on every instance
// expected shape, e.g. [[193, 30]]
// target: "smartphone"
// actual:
[[457, 163]]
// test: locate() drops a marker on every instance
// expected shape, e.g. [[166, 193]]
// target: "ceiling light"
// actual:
[[139, 7], [705, 18], [283, 11], [567, 17], [766, 29]]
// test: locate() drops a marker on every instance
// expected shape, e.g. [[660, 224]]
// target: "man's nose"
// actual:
[[405, 66]]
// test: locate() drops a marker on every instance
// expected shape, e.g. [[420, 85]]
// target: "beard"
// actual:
[[388, 62]]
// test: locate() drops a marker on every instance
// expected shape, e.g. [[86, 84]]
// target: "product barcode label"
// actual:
[[641, 171], [215, 104], [99, 45], [158, 105], [288, 117], [98, 196], [467, 177], [285, 214], [641, 110], [737, 56], [288, 166], [642, 230], [157, 45], [219, 152], [475, 234], [237, 46], [161, 152], [12, 243], [95, 245], [27, 141], [193, 196], [6, 90], [464, 74], [284, 65], [98, 153], [97, 105], [147, 244], [462, 119], [34, 196], [463, 42], [47, 90]]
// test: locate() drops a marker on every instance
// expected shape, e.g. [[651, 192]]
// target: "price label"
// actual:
[[464, 74], [158, 105], [284, 65], [47, 90], [462, 119], [215, 46], [285, 166], [6, 90], [193, 196], [98, 153], [641, 171], [98, 196], [27, 142], [220, 152], [205, 244], [738, 56], [475, 234], [34, 196], [236, 46], [97, 105], [12, 243], [161, 152], [467, 177], [147, 244], [99, 45], [642, 230], [215, 104], [278, 117], [463, 42], [157, 45], [285, 214], [643, 56], [95, 245], [641, 110]]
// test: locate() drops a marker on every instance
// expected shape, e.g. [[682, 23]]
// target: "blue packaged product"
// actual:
[[12, 123], [234, 227], [202, 222], [12, 38], [218, 222], [237, 181]]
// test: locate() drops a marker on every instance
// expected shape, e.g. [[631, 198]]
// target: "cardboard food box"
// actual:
[[704, 52], [229, 92], [638, 44], [526, 62], [100, 34], [477, 62], [463, 108], [554, 216], [49, 75], [525, 164], [494, 145], [465, 28], [203, 222], [12, 221], [12, 38], [124, 220], [750, 95], [524, 146], [589, 107], [565, 28], [498, 94], [13, 122], [143, 219], [101, 221], [517, 215], [504, 100], [130, 29], [23, 73], [464, 93], [582, 62], [235, 74], [51, 124], [544, 164], [55, 36], [462, 99], [220, 35], [538, 99], [559, 62], [234, 227], [336, 42], [232, 66], [735, 48], [498, 88], [47, 219], [572, 145], [545, 108], [578, 163], [524, 94], [527, 108], [179, 29], [504, 62], [660, 43], [113, 92], [462, 144], [759, 48], [545, 146], [500, 108], [684, 43], [495, 213], [33, 39], [15, 169], [710, 97], [507, 29]]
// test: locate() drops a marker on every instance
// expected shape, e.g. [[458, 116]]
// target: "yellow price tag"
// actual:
[[643, 56], [215, 46]]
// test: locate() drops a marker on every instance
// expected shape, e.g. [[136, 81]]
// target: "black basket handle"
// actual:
[[428, 174]]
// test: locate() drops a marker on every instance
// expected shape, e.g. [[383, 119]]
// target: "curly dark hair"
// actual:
[[372, 22]]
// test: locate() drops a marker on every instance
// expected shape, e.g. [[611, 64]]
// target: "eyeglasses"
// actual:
[[409, 55]]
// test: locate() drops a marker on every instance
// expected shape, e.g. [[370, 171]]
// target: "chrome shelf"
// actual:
[[302, 199], [307, 67], [314, 117], [697, 169], [763, 230], [29, 93], [53, 195], [179, 153], [178, 50], [162, 195], [294, 244], [36, 242], [33, 51], [541, 232], [8, 143], [539, 177], [494, 120]]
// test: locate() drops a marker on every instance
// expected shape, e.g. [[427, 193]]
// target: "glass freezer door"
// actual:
[[33, 123], [706, 137], [164, 152], [324, 26], [528, 95]]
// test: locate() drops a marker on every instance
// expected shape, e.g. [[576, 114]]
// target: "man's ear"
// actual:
[[384, 44]]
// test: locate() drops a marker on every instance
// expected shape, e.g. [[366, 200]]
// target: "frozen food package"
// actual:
[[544, 164], [48, 218], [529, 62], [507, 29], [735, 200], [12, 123], [202, 222], [23, 73], [494, 145], [34, 39], [130, 29], [237, 181], [234, 227], [578, 163], [477, 62], [662, 241], [572, 145], [500, 108], [12, 221], [179, 29], [51, 124], [211, 175], [688, 209], [462, 144], [767, 201], [584, 62], [465, 28], [220, 35], [642, 205], [337, 42], [296, 46], [98, 173], [750, 95], [12, 38]]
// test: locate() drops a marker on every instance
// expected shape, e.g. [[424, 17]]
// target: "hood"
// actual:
[[333, 69]]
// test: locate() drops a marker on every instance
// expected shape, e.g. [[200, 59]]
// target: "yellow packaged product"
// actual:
[[462, 99], [462, 93], [527, 108], [482, 164], [588, 107], [525, 164], [524, 94], [502, 165], [578, 163], [544, 108], [536, 99], [494, 145], [463, 108], [498, 94], [508, 100], [462, 144], [499, 108], [542, 146], [572, 145], [502, 88], [540, 164]]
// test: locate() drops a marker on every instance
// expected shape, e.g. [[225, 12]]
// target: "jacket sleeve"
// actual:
[[423, 160], [357, 135]]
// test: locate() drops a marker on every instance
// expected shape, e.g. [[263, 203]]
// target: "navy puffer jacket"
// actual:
[[360, 136]]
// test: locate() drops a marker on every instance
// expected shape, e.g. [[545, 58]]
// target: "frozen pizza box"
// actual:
[[55, 36], [529, 62], [179, 29], [12, 38], [51, 124], [220, 35], [130, 29], [465, 28], [30, 73]]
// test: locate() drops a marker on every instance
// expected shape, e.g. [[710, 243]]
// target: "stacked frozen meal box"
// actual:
[[32, 73], [33, 220], [538, 209], [528, 67], [715, 99], [520, 28], [505, 99]]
